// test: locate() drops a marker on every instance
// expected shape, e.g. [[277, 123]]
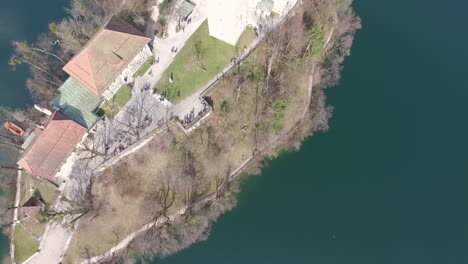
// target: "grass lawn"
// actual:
[[144, 68], [112, 107], [25, 244], [186, 72], [273, 14], [34, 226], [108, 229], [245, 39], [28, 183], [48, 191]]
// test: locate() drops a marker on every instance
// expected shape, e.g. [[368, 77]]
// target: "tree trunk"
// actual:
[[48, 53], [37, 67]]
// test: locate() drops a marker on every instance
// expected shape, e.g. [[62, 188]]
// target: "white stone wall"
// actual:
[[281, 5], [261, 13], [227, 19], [128, 72]]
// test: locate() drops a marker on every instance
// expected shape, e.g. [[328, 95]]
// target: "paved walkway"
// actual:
[[15, 213], [53, 246]]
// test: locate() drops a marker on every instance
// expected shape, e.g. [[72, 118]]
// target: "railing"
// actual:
[[243, 57]]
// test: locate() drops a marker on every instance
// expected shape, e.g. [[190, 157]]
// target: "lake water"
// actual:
[[386, 184], [21, 20]]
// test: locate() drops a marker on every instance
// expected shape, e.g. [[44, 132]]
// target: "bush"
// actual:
[[279, 110], [317, 36], [225, 107]]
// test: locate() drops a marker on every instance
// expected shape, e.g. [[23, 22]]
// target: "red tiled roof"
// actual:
[[51, 146], [106, 54]]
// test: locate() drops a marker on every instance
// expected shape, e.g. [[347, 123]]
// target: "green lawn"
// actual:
[[245, 39], [112, 107], [48, 191], [186, 70], [25, 244], [273, 14], [34, 226], [28, 183], [144, 68]]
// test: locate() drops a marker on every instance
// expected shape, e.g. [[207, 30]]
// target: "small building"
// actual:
[[109, 58], [185, 9], [51, 146], [33, 205], [264, 8]]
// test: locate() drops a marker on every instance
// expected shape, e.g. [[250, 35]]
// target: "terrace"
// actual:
[[113, 106]]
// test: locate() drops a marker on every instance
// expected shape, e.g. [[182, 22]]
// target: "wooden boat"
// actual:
[[14, 129]]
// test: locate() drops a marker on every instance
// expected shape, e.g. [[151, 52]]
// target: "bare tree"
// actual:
[[198, 54], [137, 117], [164, 195]]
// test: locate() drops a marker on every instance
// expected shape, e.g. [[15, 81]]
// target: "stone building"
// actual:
[[110, 58]]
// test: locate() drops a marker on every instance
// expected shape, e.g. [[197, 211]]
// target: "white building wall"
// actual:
[[227, 19], [128, 72], [280, 6]]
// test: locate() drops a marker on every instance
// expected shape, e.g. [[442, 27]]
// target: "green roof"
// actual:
[[77, 103], [186, 9], [265, 5]]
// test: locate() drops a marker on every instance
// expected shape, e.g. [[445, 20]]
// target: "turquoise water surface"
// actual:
[[20, 20], [387, 184]]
